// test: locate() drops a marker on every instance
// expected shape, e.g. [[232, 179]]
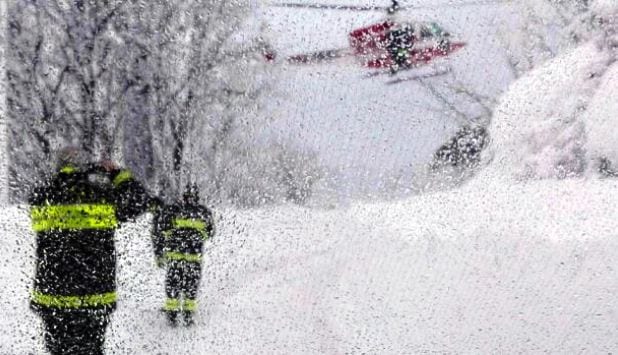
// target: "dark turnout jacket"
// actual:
[[180, 231], [74, 215]]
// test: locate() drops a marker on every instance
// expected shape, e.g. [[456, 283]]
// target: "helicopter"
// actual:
[[389, 46]]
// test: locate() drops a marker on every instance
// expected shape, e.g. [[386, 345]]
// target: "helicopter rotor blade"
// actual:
[[454, 5], [332, 7], [390, 9]]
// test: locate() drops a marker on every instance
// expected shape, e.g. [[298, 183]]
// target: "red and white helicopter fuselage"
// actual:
[[374, 46]]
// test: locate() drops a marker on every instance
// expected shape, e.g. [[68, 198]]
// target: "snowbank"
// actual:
[[555, 120], [601, 118], [560, 119]]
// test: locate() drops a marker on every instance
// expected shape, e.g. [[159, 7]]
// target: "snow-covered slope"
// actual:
[[560, 119]]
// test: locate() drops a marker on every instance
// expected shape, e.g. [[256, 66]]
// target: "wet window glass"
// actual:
[[308, 176]]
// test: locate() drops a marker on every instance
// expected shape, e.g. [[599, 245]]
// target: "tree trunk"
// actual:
[[4, 159]]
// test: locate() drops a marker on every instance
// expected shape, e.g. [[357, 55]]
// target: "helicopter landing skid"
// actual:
[[399, 80], [437, 70]]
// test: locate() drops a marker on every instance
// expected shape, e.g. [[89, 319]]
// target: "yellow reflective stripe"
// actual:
[[86, 301], [68, 169], [191, 223], [190, 305], [122, 176], [73, 217], [172, 255], [172, 304]]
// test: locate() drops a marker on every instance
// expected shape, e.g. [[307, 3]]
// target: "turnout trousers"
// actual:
[[181, 286], [74, 332]]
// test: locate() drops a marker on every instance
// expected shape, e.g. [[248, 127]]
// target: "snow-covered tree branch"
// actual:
[[546, 28], [66, 80], [172, 89], [202, 76]]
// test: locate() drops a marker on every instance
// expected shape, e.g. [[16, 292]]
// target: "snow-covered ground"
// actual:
[[483, 269]]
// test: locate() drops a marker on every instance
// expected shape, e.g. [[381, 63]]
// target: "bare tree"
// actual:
[[458, 158], [546, 28], [66, 80], [3, 118], [202, 80], [172, 89]]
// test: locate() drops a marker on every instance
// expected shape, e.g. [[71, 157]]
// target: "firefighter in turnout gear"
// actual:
[[179, 234], [74, 215]]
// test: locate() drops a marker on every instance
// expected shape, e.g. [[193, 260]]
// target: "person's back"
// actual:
[[75, 221], [190, 226], [74, 215], [181, 230]]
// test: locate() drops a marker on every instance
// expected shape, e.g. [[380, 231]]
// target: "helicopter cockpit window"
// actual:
[[436, 30]]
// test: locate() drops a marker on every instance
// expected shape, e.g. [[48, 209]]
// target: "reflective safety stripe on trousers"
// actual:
[[172, 255], [74, 302], [174, 304], [73, 217], [191, 223]]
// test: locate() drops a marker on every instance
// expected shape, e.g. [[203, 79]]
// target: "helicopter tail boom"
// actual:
[[320, 56]]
